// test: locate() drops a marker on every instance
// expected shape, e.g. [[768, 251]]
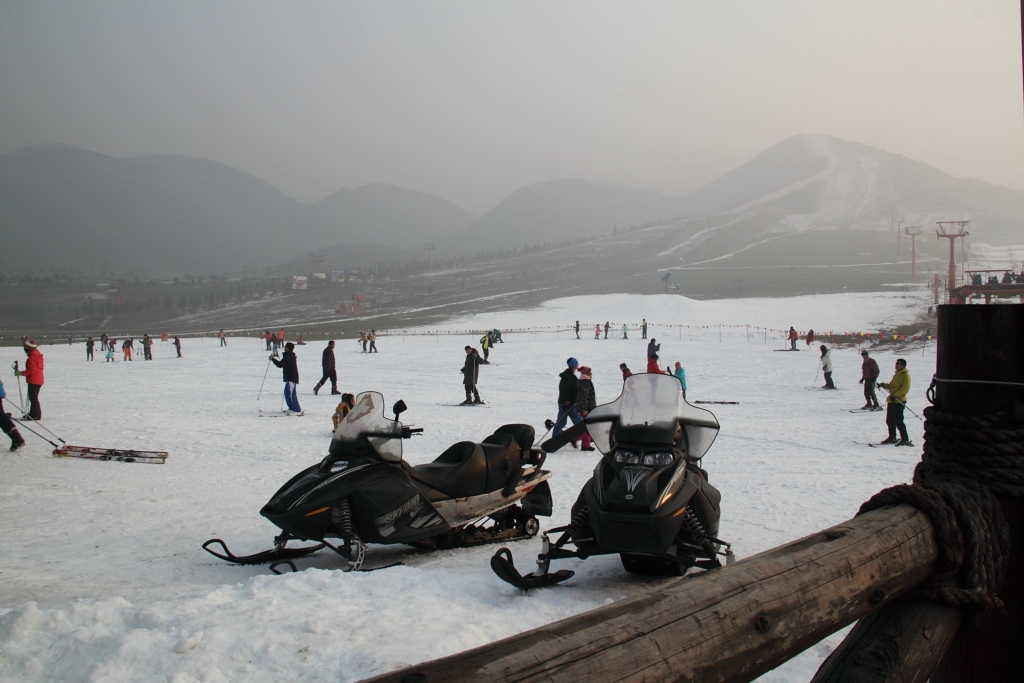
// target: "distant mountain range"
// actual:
[[63, 207]]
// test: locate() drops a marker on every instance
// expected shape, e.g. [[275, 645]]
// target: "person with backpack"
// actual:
[[7, 424], [330, 370], [470, 375], [485, 343], [868, 377], [290, 374]]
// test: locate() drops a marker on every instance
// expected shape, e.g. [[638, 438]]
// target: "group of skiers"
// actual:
[[608, 327], [897, 387], [109, 345]]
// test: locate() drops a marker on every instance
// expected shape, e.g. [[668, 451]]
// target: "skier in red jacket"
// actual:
[[33, 374]]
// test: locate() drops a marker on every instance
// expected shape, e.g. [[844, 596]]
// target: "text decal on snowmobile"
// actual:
[[385, 523]]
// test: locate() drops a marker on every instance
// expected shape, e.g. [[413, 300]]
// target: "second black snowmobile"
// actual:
[[364, 492], [648, 500]]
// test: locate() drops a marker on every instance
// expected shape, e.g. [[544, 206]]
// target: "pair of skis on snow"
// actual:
[[66, 450]]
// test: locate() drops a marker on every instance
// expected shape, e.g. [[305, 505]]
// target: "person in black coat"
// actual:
[[470, 374], [289, 365], [652, 348], [330, 372], [568, 388]]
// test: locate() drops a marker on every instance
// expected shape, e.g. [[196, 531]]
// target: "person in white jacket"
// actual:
[[826, 367]]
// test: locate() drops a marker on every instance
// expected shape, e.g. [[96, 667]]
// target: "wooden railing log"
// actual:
[[730, 624], [903, 642]]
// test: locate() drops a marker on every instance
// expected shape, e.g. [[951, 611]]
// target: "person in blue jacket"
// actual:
[[680, 374]]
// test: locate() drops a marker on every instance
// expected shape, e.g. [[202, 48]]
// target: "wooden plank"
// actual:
[[730, 624], [902, 642]]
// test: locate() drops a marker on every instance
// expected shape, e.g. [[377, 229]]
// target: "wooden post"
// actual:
[[731, 624], [984, 343]]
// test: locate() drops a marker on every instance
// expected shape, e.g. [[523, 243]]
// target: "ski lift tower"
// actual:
[[950, 230], [913, 232]]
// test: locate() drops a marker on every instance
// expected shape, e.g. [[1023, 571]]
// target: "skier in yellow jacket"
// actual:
[[898, 388]]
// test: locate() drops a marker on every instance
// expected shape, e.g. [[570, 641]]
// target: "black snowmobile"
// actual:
[[648, 500], [363, 492]]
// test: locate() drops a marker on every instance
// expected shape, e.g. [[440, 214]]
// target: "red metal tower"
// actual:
[[951, 230]]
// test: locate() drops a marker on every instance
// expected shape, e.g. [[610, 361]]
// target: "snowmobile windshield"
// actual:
[[367, 418], [650, 410]]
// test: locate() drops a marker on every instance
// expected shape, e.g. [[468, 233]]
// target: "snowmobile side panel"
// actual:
[[459, 511]]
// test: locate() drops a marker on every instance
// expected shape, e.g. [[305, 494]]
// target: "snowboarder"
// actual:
[[793, 336], [652, 365], [89, 346], [373, 341], [680, 374], [586, 400], [652, 348], [898, 388], [607, 326], [177, 344], [223, 337], [290, 374], [33, 374], [826, 367], [7, 424], [643, 329], [568, 389], [485, 344], [330, 372], [868, 376], [577, 329], [626, 372], [470, 374], [597, 331], [625, 331]]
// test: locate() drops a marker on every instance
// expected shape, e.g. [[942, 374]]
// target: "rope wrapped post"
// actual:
[[970, 482], [983, 344]]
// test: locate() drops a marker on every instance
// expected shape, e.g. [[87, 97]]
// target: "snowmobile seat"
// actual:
[[523, 435], [460, 471], [503, 459]]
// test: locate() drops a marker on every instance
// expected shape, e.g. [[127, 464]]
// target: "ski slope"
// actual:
[[102, 577]]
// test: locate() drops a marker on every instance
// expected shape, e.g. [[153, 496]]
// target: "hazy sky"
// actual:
[[473, 100]]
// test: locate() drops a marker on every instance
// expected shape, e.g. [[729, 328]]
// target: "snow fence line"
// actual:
[[615, 327]]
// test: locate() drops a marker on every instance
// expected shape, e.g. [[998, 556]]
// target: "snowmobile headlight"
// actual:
[[658, 459], [626, 457]]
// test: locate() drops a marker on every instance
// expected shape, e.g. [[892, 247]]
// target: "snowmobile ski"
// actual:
[[116, 454], [277, 555], [502, 565]]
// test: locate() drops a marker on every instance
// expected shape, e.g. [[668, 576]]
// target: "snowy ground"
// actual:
[[102, 577]]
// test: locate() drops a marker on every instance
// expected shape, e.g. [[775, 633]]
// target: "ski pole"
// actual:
[[50, 432], [816, 372], [263, 382], [36, 433], [21, 400], [901, 403]]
